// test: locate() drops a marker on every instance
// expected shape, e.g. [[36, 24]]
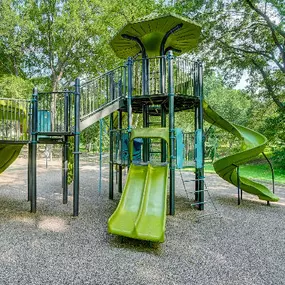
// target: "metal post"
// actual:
[[30, 153], [171, 132], [76, 148], [238, 185], [33, 173], [65, 150], [162, 74], [129, 101], [120, 125], [145, 111], [100, 153], [272, 172], [201, 126], [196, 119], [163, 142], [111, 164]]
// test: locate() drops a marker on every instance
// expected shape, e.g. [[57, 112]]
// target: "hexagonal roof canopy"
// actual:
[[151, 31]]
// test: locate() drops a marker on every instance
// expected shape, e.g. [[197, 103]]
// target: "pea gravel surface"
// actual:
[[225, 244]]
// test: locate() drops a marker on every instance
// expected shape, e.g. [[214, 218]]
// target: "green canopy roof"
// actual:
[[150, 32]]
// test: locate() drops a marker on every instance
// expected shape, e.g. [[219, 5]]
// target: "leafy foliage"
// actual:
[[15, 87]]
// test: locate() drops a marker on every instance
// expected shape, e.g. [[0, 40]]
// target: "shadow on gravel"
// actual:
[[135, 245]]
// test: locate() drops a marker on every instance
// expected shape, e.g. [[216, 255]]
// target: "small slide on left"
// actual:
[[8, 154]]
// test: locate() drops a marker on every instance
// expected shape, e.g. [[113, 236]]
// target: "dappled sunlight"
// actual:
[[53, 224], [150, 274], [25, 220]]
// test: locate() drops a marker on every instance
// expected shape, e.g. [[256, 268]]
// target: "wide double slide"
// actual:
[[253, 143], [141, 212]]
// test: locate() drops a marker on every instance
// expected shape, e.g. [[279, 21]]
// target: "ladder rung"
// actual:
[[199, 203], [154, 123]]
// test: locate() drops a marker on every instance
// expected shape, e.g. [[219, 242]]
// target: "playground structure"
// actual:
[[154, 83]]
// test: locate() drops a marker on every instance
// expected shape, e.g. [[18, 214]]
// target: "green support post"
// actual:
[[171, 132], [163, 143], [111, 164], [100, 154], [76, 148], [201, 186], [129, 100], [33, 153], [145, 111], [30, 153], [120, 126], [65, 150]]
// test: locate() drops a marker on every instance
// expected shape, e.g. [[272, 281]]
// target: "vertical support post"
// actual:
[[162, 70], [30, 153], [100, 154], [163, 142], [33, 152], [120, 125], [145, 112], [196, 119], [65, 150], [238, 185], [145, 85], [111, 164], [76, 148], [201, 127], [171, 133], [129, 100]]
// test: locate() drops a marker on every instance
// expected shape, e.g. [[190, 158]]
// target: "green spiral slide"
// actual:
[[9, 151], [253, 144]]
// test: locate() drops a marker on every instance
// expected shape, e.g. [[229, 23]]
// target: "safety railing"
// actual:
[[14, 119], [103, 90], [55, 111], [150, 76]]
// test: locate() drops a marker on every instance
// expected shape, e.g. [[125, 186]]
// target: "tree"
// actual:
[[59, 40], [15, 87], [241, 36]]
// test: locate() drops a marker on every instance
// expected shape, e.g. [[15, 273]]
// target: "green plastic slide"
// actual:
[[9, 151], [141, 212], [253, 144], [8, 154]]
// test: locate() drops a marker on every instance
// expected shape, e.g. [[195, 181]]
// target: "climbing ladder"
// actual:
[[188, 186]]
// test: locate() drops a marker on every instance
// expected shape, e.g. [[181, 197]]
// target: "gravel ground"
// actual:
[[225, 244]]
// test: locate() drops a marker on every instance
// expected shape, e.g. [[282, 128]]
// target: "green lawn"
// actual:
[[255, 171]]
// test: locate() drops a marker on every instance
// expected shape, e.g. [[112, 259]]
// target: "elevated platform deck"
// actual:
[[181, 103]]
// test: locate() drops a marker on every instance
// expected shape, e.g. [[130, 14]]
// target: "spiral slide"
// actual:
[[10, 151], [253, 144], [141, 212]]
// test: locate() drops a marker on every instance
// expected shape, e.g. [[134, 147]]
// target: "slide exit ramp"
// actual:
[[253, 144]]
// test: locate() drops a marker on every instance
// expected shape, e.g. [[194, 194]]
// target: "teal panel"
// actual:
[[44, 121], [179, 149], [199, 148], [137, 146]]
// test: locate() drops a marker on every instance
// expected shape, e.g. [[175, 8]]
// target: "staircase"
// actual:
[[102, 96]]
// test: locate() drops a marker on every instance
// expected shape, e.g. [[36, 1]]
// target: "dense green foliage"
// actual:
[[49, 43]]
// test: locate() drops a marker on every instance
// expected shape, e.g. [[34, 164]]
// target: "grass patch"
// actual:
[[254, 171]]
